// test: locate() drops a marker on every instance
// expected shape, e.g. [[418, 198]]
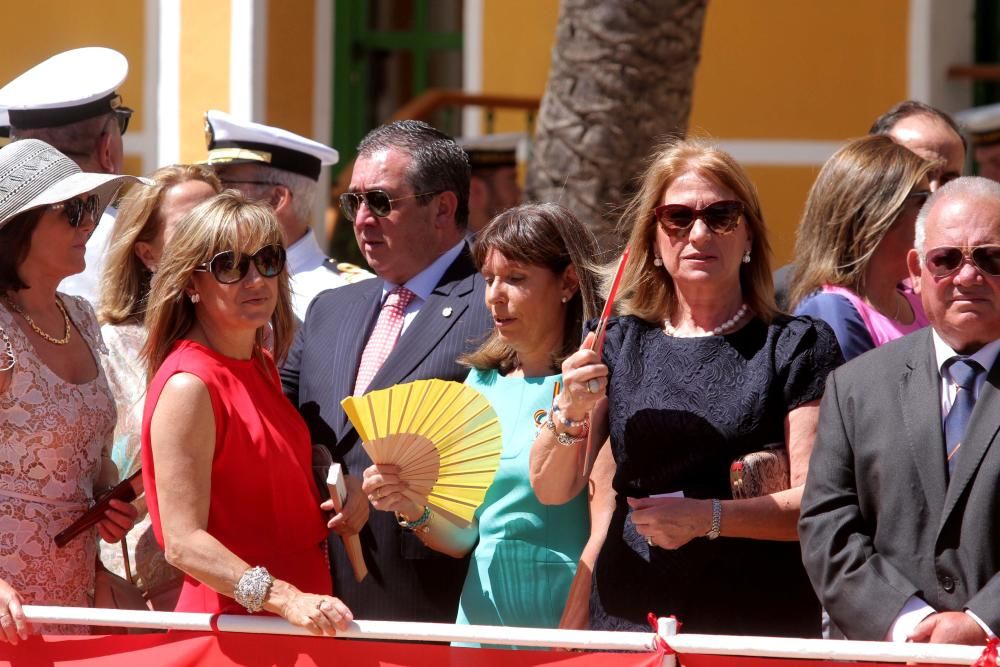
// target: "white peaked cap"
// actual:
[[234, 141]]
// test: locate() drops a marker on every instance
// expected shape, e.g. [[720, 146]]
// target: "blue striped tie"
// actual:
[[963, 373]]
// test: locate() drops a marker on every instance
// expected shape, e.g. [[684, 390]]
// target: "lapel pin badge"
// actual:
[[447, 311]]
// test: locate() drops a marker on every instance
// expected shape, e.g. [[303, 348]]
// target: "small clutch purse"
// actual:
[[759, 473]]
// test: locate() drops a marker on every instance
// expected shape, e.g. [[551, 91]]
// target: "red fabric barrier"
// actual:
[[192, 648]]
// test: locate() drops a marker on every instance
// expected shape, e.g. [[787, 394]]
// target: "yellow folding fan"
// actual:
[[443, 435]]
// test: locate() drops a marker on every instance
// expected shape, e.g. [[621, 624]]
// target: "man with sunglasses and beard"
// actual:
[[70, 102], [282, 169], [408, 201], [914, 424]]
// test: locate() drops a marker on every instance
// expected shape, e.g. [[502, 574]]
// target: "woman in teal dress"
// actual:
[[540, 289]]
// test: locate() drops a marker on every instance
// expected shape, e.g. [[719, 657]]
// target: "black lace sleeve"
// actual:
[[806, 352]]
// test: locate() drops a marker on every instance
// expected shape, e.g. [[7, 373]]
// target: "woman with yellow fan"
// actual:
[[540, 290]]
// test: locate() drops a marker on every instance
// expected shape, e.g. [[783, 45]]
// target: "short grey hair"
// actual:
[[303, 189], [967, 187], [75, 140]]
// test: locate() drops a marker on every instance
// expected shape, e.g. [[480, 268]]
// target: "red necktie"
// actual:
[[384, 336]]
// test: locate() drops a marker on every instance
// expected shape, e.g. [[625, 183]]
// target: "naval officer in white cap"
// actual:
[[70, 101], [983, 124], [282, 168]]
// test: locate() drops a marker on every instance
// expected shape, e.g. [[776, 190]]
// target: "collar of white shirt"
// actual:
[[986, 355], [424, 282], [305, 254]]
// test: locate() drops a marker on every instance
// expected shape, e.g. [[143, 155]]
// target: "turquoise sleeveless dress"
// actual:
[[524, 563]]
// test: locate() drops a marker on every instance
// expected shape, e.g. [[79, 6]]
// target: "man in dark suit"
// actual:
[[408, 201], [901, 505]]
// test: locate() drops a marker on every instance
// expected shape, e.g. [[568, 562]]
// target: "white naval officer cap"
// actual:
[[4, 123], [68, 87], [234, 141], [982, 123]]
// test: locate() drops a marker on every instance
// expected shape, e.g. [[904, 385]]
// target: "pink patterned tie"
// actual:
[[383, 338]]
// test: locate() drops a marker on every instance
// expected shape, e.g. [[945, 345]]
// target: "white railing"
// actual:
[[772, 647]]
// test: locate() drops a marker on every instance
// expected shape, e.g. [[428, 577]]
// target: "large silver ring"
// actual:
[[593, 385]]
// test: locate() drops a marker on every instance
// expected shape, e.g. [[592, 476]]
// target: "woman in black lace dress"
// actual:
[[698, 370]]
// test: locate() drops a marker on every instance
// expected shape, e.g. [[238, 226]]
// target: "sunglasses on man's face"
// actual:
[[77, 207], [721, 217], [946, 260], [379, 202], [269, 261]]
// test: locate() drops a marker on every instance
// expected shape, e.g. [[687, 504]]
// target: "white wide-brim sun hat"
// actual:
[[34, 174]]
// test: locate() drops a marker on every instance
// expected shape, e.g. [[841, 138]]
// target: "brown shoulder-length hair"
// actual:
[[855, 200], [125, 281], [15, 239], [545, 235], [227, 221], [647, 291]]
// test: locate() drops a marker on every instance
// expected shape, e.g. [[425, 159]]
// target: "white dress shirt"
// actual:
[[424, 282]]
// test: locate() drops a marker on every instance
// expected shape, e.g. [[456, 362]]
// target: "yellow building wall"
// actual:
[[517, 52], [204, 71], [770, 69], [290, 66], [787, 69]]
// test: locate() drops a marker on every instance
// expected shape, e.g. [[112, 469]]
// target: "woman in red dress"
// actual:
[[226, 458]]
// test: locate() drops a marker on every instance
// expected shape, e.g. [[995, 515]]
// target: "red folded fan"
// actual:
[[126, 491]]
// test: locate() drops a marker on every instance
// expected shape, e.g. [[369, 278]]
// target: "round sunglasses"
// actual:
[[77, 207], [720, 217], [946, 260], [378, 201], [224, 267]]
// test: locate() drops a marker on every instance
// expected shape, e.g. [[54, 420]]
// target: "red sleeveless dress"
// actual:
[[264, 504]]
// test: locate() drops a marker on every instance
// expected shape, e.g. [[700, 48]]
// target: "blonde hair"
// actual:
[[125, 281], [648, 291], [549, 236], [855, 201], [227, 221]]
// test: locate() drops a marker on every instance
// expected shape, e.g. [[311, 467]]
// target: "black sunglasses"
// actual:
[[721, 217], [946, 260], [77, 207], [378, 201], [269, 260]]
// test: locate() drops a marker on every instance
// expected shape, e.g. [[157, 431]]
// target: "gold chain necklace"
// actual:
[[34, 327]]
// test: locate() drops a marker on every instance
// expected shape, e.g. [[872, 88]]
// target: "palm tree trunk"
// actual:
[[622, 75]]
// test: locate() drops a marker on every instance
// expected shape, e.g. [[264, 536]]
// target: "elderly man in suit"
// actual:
[[901, 505], [408, 200]]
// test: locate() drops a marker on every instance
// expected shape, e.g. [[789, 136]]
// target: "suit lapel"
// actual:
[[438, 314], [920, 399], [979, 436]]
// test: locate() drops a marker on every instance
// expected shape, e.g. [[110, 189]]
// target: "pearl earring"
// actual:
[[565, 299], [657, 261], [195, 298], [746, 256]]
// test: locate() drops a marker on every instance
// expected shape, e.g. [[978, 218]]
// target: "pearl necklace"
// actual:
[[34, 327], [725, 327]]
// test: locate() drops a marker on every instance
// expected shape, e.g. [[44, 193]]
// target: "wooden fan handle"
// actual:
[[352, 545]]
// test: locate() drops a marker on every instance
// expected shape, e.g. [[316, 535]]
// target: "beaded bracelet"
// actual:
[[420, 524], [567, 423], [252, 588]]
